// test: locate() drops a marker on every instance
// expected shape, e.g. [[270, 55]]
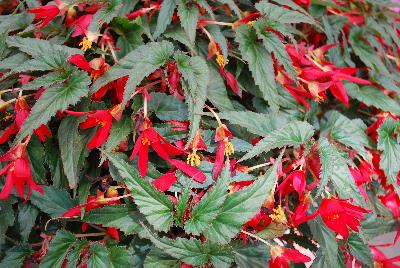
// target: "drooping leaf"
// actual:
[[157, 258], [55, 98], [137, 64], [256, 123], [259, 62], [154, 205], [6, 220], [15, 256], [390, 147], [294, 133], [167, 107], [192, 251], [360, 249], [334, 168], [188, 16], [123, 217], [327, 241], [195, 75], [241, 206], [98, 256], [26, 220], [72, 147], [283, 15], [207, 209], [349, 132], [58, 250], [165, 17], [372, 96], [251, 256], [53, 202]]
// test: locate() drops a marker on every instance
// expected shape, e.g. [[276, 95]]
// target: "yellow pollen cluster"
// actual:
[[279, 215], [319, 99], [251, 23], [100, 123], [146, 141], [229, 150], [333, 217], [85, 43], [193, 159], [220, 60], [94, 77]]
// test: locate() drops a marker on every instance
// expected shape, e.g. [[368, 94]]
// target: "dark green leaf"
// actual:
[[54, 202], [188, 16], [294, 133], [58, 250], [167, 107], [154, 205], [98, 256], [259, 62], [164, 17], [360, 249], [26, 219], [15, 256]]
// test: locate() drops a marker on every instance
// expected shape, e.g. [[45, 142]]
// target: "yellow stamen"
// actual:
[[229, 149], [100, 123], [220, 60], [146, 141], [279, 215], [251, 23], [193, 159], [85, 43]]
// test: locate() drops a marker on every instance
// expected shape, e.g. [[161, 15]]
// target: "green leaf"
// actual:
[[75, 253], [58, 249], [359, 249], [327, 241], [207, 209], [36, 155], [294, 133], [167, 107], [216, 91], [53, 99], [372, 96], [157, 258], [195, 75], [256, 123], [252, 256], [182, 204], [188, 16], [48, 55], [72, 147], [46, 80], [27, 215], [241, 206], [335, 169], [154, 205], [282, 15], [130, 35], [15, 256], [348, 132], [274, 45], [118, 257], [390, 147], [124, 217], [54, 202], [259, 62], [98, 256], [137, 64], [164, 17], [272, 231], [6, 220], [192, 251]]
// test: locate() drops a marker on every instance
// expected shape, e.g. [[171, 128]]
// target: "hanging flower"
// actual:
[[295, 181], [18, 172], [96, 67], [224, 148], [45, 14], [281, 256], [101, 118], [164, 149], [197, 144], [22, 111]]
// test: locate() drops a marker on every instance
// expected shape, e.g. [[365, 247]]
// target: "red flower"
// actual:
[[150, 137], [295, 181], [382, 261], [259, 221], [102, 118], [338, 215], [96, 67], [18, 172], [164, 182], [392, 202], [117, 87], [45, 14], [22, 111], [222, 136], [280, 257]]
